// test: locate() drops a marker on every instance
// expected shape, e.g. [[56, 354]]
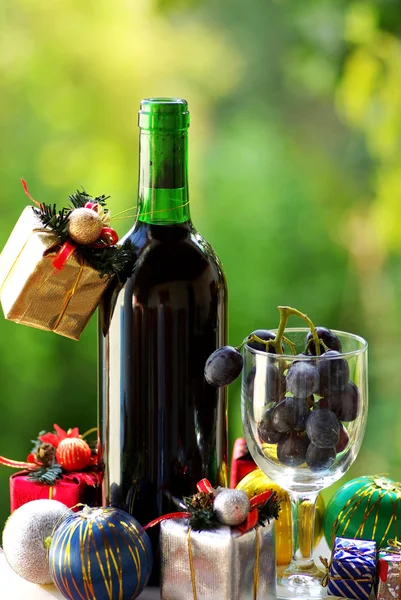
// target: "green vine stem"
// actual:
[[290, 344], [276, 343], [285, 313]]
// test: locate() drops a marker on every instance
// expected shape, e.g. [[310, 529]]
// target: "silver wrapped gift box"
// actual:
[[219, 564]]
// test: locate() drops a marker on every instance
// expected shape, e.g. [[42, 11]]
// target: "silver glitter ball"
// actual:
[[24, 538], [231, 507]]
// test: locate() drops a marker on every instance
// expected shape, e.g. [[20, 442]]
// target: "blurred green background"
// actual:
[[295, 170]]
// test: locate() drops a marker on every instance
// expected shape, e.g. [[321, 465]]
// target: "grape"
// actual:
[[344, 404], [290, 413], [323, 428], [263, 334], [328, 337], [319, 459], [266, 431], [343, 440], [291, 449], [282, 385], [274, 383], [302, 379], [250, 382], [223, 366], [334, 372]]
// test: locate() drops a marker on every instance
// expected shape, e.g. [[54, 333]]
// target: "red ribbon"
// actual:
[[261, 499], [16, 464], [107, 237], [91, 478], [176, 515], [64, 254], [382, 569], [24, 185], [250, 521], [253, 515], [92, 205], [205, 486]]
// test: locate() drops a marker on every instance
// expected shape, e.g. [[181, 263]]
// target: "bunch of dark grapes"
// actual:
[[308, 425], [307, 401]]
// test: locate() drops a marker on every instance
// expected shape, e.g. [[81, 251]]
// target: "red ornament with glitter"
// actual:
[[73, 454], [61, 466]]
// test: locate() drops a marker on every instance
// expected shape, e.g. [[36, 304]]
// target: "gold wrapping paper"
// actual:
[[220, 564], [34, 293]]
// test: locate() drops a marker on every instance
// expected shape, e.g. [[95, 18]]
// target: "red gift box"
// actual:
[[71, 489], [242, 462]]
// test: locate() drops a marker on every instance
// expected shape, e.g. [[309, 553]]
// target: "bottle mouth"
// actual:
[[163, 114]]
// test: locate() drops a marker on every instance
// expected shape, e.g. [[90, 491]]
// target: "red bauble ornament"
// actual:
[[73, 454]]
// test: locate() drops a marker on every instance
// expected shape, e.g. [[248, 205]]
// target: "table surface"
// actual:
[[13, 587]]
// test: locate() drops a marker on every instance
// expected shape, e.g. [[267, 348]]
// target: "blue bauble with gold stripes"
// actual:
[[100, 554]]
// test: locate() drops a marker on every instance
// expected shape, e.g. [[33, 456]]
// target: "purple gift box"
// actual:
[[352, 568]]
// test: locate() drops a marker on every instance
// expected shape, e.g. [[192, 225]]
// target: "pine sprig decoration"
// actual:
[[79, 198], [200, 506], [46, 475], [203, 519], [202, 516], [199, 501], [108, 260], [53, 219], [270, 510]]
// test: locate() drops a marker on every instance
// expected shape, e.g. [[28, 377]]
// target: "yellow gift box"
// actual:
[[34, 293]]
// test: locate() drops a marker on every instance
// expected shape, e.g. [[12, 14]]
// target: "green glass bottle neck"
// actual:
[[163, 177]]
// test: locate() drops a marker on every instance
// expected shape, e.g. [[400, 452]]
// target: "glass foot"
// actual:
[[296, 582]]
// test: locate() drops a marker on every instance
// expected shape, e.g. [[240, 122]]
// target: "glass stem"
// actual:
[[303, 525]]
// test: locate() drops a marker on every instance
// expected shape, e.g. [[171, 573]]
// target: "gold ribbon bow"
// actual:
[[327, 564]]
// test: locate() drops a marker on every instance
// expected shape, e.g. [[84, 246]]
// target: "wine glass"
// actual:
[[304, 418]]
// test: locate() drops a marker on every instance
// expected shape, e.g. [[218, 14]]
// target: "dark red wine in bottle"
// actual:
[[162, 426]]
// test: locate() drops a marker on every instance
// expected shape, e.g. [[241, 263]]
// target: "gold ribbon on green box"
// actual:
[[365, 508]]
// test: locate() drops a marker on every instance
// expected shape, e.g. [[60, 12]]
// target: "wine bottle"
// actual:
[[162, 426]]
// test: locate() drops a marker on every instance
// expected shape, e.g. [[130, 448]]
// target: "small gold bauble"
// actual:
[[84, 226]]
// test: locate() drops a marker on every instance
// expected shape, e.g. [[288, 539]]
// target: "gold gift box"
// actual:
[[34, 293]]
